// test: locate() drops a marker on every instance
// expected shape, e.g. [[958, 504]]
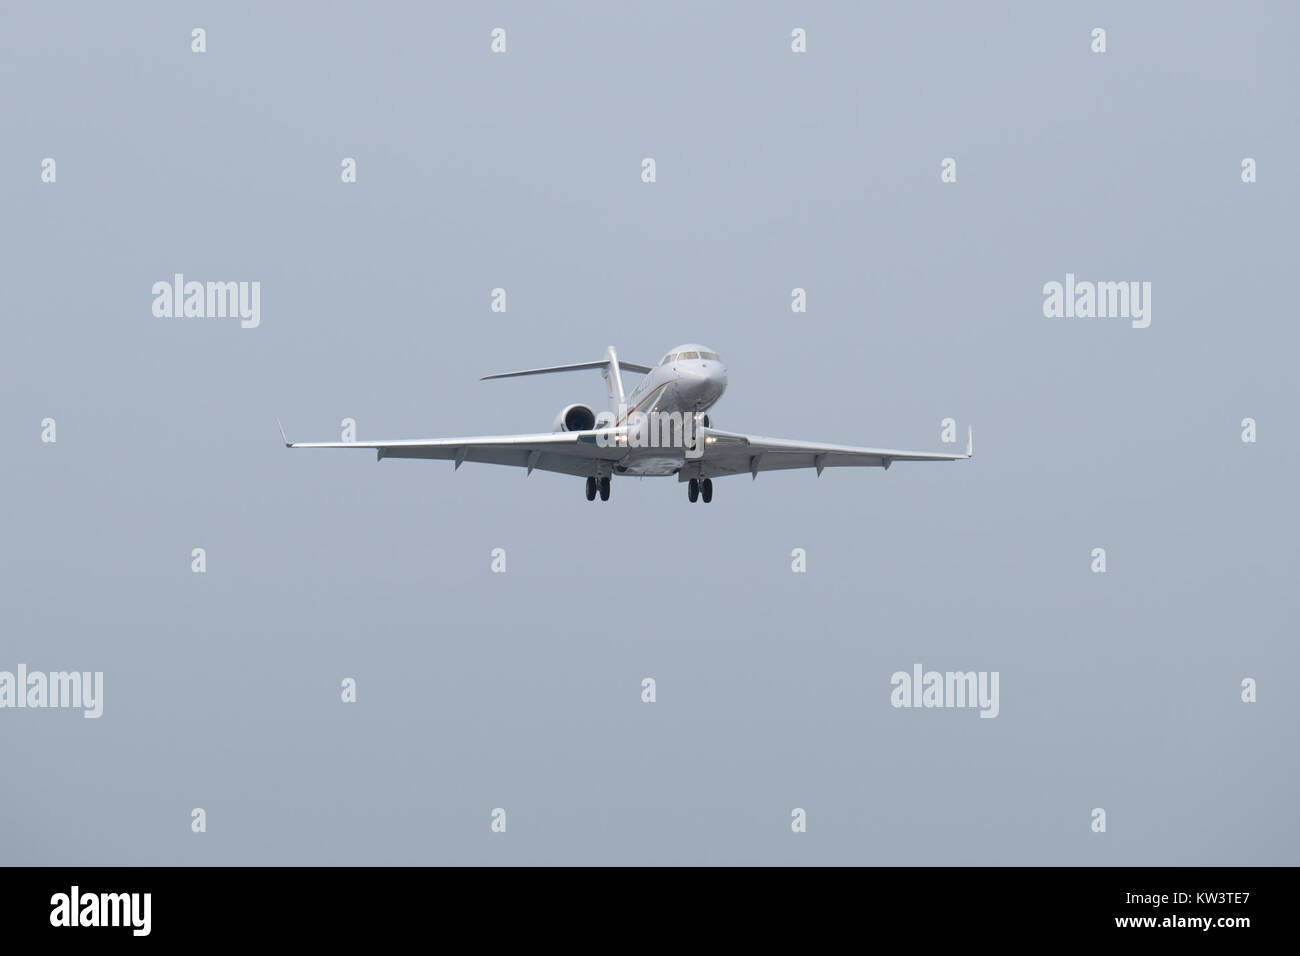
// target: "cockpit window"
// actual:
[[682, 356], [712, 356], [668, 358]]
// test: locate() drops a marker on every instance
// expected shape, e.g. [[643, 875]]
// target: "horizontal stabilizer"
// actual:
[[625, 366]]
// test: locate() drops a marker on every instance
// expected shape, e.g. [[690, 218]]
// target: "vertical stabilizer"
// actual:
[[613, 381]]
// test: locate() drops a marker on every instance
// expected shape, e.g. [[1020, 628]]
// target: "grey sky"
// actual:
[[775, 170]]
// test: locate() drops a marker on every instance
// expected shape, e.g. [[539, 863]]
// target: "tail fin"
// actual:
[[613, 381]]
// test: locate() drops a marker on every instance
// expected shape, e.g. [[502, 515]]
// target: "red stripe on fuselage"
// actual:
[[657, 388]]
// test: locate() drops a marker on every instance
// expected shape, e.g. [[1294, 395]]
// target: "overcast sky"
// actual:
[[522, 691]]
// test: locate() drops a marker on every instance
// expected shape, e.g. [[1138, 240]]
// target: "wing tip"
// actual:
[[283, 437]]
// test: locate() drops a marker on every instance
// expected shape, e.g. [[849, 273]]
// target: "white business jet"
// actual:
[[661, 428]]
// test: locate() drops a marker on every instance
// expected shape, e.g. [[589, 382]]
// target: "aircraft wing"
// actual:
[[570, 453], [730, 453]]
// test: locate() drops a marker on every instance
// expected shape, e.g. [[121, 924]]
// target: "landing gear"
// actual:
[[706, 490], [604, 488], [693, 489], [598, 486], [700, 488], [591, 489]]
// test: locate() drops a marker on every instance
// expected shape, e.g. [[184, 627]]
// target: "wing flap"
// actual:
[[728, 453], [572, 453]]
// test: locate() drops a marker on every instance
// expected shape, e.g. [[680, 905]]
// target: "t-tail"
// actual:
[[614, 382], [610, 367]]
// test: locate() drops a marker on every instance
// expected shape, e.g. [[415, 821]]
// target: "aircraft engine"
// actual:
[[574, 418]]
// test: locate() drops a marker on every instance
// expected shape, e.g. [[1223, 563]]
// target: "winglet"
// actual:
[[970, 442], [287, 443]]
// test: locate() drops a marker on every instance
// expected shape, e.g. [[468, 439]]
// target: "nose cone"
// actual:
[[703, 382], [715, 379]]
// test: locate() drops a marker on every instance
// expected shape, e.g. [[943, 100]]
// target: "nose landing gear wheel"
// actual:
[[591, 489], [692, 489], [604, 489], [706, 490]]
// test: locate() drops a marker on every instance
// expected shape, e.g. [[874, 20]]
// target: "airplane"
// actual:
[[673, 400]]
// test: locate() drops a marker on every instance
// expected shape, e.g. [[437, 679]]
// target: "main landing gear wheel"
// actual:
[[591, 489], [693, 489], [604, 488], [706, 490]]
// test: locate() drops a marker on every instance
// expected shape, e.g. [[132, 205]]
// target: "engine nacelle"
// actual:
[[574, 418]]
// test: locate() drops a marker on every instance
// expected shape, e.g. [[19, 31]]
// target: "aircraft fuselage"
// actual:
[[689, 380]]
